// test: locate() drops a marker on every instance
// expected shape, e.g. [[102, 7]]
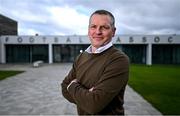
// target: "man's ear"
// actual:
[[114, 31]]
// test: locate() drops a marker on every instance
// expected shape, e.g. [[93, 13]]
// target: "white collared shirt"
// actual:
[[100, 49]]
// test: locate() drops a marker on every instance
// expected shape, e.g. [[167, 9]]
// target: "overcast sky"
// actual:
[[69, 17]]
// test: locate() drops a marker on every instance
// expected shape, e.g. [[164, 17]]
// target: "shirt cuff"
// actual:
[[73, 81]]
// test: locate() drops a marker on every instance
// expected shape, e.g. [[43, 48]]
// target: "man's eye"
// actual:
[[105, 27], [93, 27]]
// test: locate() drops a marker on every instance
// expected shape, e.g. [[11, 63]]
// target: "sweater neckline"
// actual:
[[98, 54]]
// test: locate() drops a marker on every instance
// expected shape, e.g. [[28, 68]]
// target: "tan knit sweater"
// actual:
[[108, 73]]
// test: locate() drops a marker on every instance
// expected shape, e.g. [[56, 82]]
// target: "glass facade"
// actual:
[[26, 53], [166, 54], [136, 53], [161, 53], [17, 53], [67, 52]]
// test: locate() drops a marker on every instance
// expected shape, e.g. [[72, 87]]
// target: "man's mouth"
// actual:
[[98, 38]]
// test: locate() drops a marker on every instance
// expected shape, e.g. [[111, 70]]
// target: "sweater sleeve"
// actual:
[[67, 80], [114, 78], [65, 83]]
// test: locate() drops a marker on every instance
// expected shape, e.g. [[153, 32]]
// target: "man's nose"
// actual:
[[98, 30]]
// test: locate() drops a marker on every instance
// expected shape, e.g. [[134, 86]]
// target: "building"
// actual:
[[8, 26], [141, 49]]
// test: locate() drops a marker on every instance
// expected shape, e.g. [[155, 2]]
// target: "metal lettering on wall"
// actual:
[[44, 39], [68, 40], [118, 40], [6, 39], [31, 40], [80, 41], [131, 39], [156, 39], [170, 39], [144, 39], [56, 40], [19, 39]]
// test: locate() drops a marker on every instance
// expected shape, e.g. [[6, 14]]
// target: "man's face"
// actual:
[[100, 30]]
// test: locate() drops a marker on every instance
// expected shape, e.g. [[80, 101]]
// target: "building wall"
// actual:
[[8, 26], [144, 49]]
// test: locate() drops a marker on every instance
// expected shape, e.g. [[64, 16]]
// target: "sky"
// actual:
[[70, 17]]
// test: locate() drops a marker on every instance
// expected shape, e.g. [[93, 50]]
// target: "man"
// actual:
[[97, 80]]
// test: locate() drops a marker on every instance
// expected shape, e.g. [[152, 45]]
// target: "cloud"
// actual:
[[29, 31], [67, 17]]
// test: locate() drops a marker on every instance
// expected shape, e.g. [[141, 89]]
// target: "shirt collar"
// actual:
[[100, 49]]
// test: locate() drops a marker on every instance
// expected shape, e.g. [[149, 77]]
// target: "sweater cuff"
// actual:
[[71, 89]]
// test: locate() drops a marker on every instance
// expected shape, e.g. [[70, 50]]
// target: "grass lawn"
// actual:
[[6, 74], [158, 84]]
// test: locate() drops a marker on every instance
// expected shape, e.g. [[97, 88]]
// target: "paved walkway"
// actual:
[[37, 91]]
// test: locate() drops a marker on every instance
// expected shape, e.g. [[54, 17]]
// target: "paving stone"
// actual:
[[37, 92]]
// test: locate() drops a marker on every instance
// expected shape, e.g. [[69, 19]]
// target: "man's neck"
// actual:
[[93, 49]]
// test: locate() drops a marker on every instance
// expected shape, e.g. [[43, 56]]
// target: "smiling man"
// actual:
[[97, 80]]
